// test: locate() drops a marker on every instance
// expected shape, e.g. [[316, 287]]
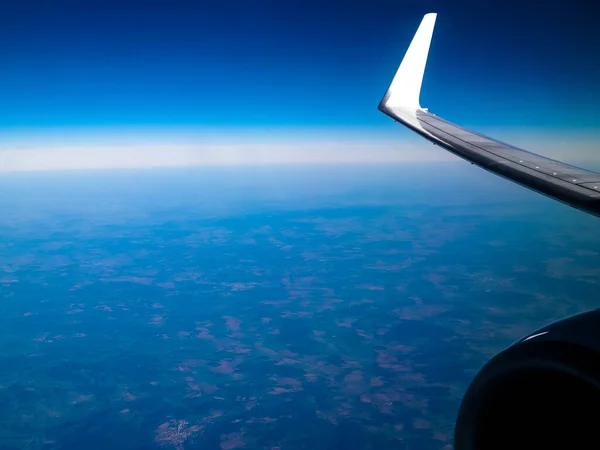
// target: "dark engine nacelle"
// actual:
[[543, 392]]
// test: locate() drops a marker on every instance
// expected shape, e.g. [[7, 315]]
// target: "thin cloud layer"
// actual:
[[123, 149], [126, 150]]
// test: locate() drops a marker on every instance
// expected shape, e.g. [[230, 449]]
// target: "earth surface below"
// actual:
[[270, 308]]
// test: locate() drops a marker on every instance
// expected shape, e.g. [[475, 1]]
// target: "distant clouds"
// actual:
[[129, 149], [84, 149]]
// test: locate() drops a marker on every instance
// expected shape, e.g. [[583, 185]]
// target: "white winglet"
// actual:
[[406, 86]]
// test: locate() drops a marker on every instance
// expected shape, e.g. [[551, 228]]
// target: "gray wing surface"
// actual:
[[574, 186]]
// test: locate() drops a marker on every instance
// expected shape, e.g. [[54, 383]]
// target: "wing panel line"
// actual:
[[579, 171]]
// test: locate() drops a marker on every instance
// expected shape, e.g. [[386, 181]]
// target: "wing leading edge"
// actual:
[[574, 186]]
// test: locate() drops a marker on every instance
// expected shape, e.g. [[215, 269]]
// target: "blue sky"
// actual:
[[104, 67]]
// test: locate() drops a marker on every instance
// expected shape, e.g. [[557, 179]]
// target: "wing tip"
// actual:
[[405, 89]]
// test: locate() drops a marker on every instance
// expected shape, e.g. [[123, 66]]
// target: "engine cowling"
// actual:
[[541, 392]]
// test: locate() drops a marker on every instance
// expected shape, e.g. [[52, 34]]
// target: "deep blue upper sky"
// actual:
[[291, 62]]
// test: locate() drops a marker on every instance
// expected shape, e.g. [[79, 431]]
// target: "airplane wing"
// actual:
[[574, 186]]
